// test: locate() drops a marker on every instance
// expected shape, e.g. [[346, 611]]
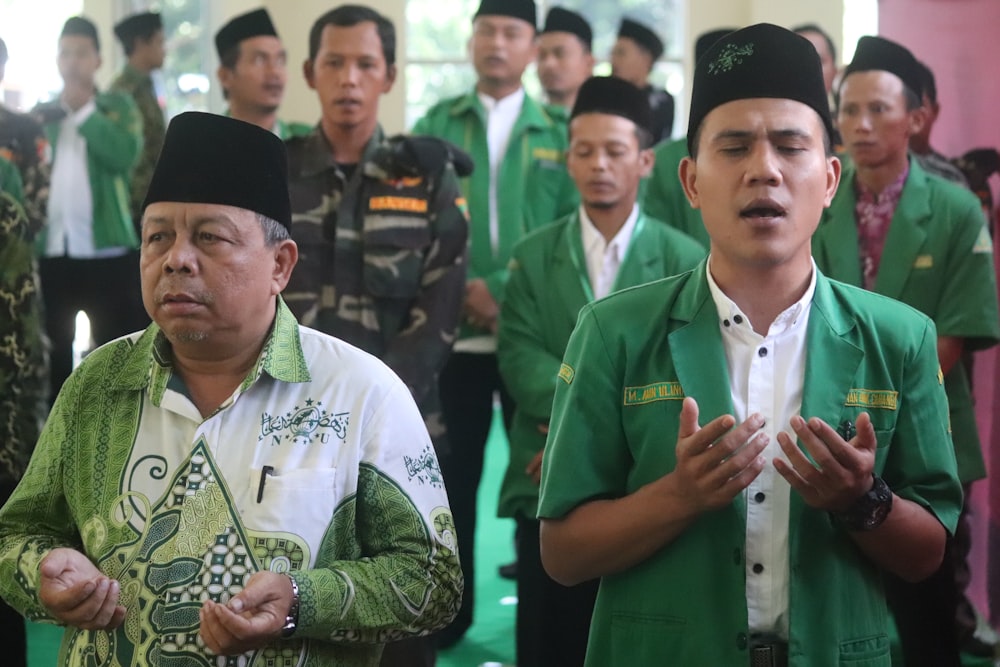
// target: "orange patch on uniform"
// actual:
[[405, 204]]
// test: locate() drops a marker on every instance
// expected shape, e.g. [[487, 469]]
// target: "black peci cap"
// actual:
[[252, 24], [563, 20], [212, 159], [878, 53], [611, 95], [643, 36], [518, 9], [763, 60]]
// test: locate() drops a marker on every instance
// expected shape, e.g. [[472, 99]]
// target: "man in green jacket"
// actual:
[[812, 431], [141, 36], [89, 247], [520, 183], [898, 231], [253, 72], [606, 246]]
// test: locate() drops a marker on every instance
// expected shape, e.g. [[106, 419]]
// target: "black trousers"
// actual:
[[553, 621], [108, 290], [926, 612], [13, 641], [468, 382]]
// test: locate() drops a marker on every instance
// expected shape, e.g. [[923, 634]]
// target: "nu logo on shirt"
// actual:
[[871, 398], [305, 424], [659, 391]]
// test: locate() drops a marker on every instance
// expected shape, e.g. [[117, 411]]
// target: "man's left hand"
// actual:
[[251, 619], [842, 471]]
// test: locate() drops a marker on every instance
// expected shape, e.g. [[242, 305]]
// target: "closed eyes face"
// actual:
[[761, 179]]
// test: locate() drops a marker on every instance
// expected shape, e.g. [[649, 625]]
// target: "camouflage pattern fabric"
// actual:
[[382, 259], [23, 142], [139, 87], [23, 368]]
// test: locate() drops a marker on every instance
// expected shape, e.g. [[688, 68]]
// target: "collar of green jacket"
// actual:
[[532, 115]]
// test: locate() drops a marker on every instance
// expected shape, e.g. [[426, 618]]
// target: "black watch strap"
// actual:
[[870, 510]]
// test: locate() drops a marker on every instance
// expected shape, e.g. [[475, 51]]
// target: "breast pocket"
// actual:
[[299, 501], [394, 255]]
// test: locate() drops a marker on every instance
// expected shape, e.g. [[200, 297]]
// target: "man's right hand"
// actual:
[[76, 593], [715, 462]]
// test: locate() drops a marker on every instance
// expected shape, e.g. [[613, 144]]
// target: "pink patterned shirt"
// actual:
[[874, 213]]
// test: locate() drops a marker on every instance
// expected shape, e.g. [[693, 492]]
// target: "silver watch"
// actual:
[[292, 619]]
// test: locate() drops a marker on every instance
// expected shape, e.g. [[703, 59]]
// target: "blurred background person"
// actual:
[[633, 57], [565, 57], [141, 35], [253, 71]]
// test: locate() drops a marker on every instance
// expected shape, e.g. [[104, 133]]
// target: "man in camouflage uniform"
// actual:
[[23, 374], [23, 143], [379, 224], [141, 36]]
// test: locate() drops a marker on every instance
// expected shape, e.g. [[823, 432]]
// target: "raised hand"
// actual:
[[716, 461], [840, 471]]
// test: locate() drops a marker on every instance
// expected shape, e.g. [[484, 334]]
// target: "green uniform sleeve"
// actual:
[[968, 304], [920, 464], [418, 353], [586, 455], [114, 132], [528, 369], [37, 517], [10, 181]]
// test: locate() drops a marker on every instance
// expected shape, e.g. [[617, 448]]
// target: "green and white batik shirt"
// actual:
[[318, 464]]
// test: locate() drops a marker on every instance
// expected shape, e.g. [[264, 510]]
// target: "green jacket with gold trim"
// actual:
[[547, 288], [533, 187], [631, 360], [938, 258]]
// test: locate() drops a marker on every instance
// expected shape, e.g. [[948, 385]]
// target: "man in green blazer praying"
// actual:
[[740, 452], [607, 245]]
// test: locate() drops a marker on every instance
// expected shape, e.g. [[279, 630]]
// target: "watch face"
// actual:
[[871, 509]]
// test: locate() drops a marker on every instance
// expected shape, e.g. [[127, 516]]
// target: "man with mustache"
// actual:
[[520, 183], [380, 225], [609, 244], [811, 451], [253, 72], [227, 483], [897, 230]]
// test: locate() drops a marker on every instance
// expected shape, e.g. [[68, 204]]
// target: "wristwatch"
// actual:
[[292, 619], [870, 510]]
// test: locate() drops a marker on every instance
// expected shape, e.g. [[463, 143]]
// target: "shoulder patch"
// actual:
[[550, 154], [650, 393], [872, 398], [923, 262], [566, 373], [940, 376], [402, 204], [984, 243]]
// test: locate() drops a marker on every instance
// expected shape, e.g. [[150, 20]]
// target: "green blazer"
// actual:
[[631, 360], [533, 186], [114, 141], [663, 197], [938, 258], [548, 286]]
